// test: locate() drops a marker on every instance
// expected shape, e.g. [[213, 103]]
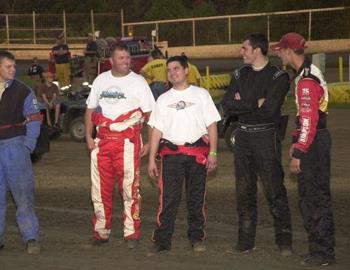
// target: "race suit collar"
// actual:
[[306, 64]]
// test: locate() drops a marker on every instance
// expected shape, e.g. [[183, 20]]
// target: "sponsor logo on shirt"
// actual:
[[112, 95], [181, 105]]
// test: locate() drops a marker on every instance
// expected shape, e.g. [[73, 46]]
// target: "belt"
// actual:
[[255, 128]]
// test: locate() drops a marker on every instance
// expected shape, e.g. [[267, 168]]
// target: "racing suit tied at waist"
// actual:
[[199, 152], [127, 125]]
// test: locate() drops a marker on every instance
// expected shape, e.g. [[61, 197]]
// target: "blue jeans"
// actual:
[[16, 175], [158, 88]]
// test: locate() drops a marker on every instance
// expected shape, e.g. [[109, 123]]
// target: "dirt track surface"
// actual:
[[64, 210]]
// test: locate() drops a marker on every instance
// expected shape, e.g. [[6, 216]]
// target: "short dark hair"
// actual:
[[258, 40], [119, 47], [6, 54], [178, 58]]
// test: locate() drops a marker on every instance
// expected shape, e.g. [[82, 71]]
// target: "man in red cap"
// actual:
[[310, 151]]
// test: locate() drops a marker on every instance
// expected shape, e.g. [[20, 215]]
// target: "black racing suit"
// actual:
[[257, 150]]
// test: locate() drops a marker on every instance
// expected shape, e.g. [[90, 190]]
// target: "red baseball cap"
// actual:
[[291, 41]]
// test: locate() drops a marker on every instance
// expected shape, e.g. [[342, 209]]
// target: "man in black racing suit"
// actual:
[[256, 94]]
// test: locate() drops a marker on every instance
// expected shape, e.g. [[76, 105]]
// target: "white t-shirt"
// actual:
[[184, 115], [118, 95]]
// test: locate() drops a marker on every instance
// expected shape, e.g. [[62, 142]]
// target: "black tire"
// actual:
[[77, 129], [230, 134]]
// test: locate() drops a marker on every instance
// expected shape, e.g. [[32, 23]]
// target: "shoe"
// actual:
[[238, 250], [132, 243], [316, 260], [33, 247], [157, 249], [2, 246], [286, 251], [199, 246]]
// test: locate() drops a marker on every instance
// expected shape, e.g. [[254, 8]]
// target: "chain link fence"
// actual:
[[44, 28], [314, 24]]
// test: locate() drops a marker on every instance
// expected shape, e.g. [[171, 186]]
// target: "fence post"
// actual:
[[268, 27], [310, 19], [340, 64], [229, 30], [157, 32], [193, 33], [34, 28], [7, 29], [92, 22], [122, 21], [64, 26]]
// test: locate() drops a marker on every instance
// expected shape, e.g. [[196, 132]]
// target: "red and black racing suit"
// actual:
[[257, 150], [312, 145]]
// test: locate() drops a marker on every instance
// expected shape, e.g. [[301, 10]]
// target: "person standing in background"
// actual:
[[90, 60], [61, 56]]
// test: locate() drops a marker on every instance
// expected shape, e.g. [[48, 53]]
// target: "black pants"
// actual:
[[259, 154], [315, 196], [175, 169]]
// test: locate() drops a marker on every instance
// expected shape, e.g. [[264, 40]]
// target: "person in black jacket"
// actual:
[[256, 94]]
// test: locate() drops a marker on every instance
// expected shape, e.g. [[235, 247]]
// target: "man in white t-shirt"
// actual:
[[184, 134], [119, 102]]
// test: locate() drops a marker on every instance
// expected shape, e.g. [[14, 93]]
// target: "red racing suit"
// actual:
[[117, 155], [311, 97], [312, 145]]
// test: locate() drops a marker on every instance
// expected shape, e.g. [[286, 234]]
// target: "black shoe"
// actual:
[[238, 250], [132, 243], [316, 260], [157, 249], [2, 246]]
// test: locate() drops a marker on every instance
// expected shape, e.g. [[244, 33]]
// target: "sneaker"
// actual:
[[132, 243], [317, 261], [199, 247], [286, 251], [238, 250], [33, 247], [157, 249]]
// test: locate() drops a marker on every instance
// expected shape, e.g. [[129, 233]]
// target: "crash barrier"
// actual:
[[339, 93], [216, 84]]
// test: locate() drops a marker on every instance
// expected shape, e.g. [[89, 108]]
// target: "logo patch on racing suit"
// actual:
[[181, 105]]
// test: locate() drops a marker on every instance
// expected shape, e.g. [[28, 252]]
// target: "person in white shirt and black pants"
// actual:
[[184, 136]]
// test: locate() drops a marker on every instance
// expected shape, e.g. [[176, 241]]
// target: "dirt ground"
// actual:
[[64, 209]]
